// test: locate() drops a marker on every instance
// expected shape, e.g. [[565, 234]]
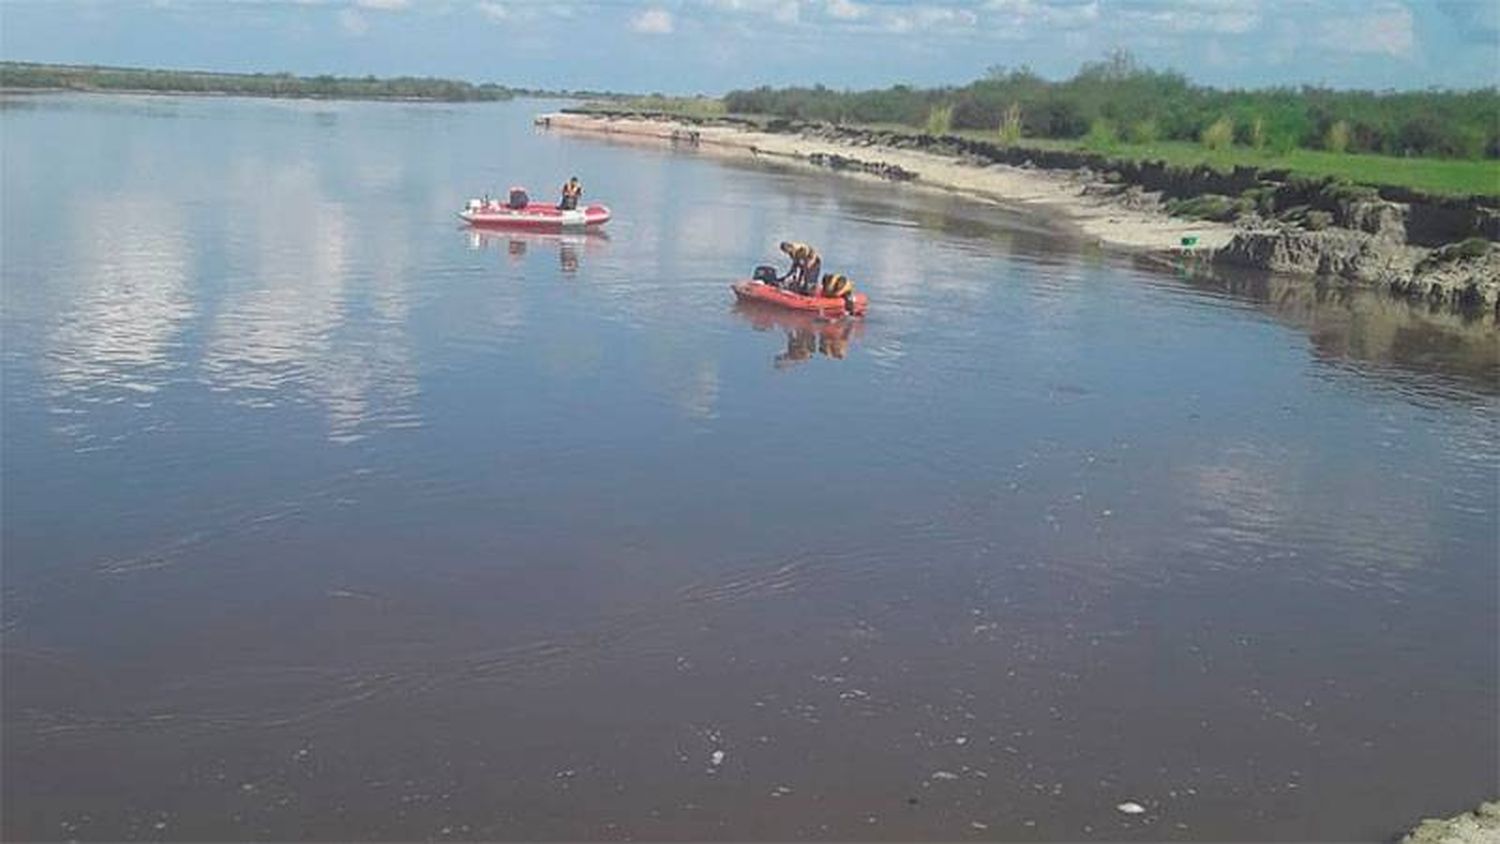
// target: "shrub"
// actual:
[[1337, 139], [1102, 135], [1010, 124], [1258, 133], [1474, 247], [1143, 132], [1339, 191], [940, 120], [1283, 143], [1219, 134], [1209, 206]]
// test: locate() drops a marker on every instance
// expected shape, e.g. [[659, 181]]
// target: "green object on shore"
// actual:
[[1189, 240]]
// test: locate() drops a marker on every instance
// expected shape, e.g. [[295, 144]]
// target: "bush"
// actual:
[[1474, 247], [1318, 220], [1143, 132], [1219, 135], [1432, 123], [1010, 124], [1339, 191], [1337, 137], [1101, 136], [1209, 206], [940, 120]]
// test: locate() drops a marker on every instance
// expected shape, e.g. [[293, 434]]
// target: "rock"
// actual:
[[1385, 220], [1465, 281], [1481, 826], [1336, 252]]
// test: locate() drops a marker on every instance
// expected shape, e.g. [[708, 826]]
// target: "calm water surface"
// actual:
[[325, 518]]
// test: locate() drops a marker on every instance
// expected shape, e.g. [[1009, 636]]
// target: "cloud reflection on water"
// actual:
[[288, 331], [130, 302]]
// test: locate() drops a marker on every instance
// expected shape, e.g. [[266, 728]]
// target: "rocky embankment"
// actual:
[[1439, 249], [1481, 826]]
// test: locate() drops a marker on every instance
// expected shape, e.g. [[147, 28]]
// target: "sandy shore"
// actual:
[[1098, 217]]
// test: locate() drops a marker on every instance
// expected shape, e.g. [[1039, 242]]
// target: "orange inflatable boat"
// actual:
[[758, 291]]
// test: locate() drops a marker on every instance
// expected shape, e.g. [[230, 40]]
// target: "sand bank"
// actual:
[[1066, 196]]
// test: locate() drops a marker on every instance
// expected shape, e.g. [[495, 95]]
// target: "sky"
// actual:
[[710, 46]]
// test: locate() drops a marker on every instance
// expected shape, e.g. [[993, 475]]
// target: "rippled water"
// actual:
[[326, 518]]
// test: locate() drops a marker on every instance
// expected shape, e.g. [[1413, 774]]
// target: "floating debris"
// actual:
[[943, 775], [780, 791], [716, 758], [978, 825], [1131, 808]]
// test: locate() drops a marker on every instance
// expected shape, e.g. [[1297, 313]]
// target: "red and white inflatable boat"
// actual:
[[535, 216]]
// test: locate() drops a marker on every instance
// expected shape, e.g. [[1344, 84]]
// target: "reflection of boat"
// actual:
[[536, 216], [807, 333], [768, 294], [515, 242]]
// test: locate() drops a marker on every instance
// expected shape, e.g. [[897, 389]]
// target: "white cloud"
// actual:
[[654, 21], [845, 10], [495, 12], [353, 22], [929, 17], [786, 12], [1223, 17], [382, 5], [1386, 30]]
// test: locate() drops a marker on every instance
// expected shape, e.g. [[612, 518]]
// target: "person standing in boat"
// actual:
[[806, 271], [571, 192]]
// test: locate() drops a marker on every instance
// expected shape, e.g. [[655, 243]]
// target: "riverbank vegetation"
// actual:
[[1442, 141], [26, 75]]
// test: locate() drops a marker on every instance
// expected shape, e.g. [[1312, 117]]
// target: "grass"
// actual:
[[1451, 176]]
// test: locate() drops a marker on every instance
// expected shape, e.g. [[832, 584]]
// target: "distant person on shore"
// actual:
[[571, 192], [806, 269]]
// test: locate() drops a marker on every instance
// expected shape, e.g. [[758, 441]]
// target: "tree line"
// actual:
[[1117, 99], [91, 78]]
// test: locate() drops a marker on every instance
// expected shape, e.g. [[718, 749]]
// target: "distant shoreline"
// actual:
[[143, 92], [99, 79]]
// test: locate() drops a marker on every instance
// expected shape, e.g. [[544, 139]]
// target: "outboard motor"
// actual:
[[765, 274], [518, 198]]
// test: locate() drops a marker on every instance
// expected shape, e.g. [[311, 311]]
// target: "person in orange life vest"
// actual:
[[571, 192]]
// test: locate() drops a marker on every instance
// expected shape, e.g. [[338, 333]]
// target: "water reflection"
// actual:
[[514, 244], [807, 335], [128, 303], [285, 333], [1366, 326]]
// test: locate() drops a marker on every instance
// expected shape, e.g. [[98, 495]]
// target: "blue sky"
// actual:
[[710, 46]]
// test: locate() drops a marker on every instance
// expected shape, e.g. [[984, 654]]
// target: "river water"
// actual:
[[326, 518]]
